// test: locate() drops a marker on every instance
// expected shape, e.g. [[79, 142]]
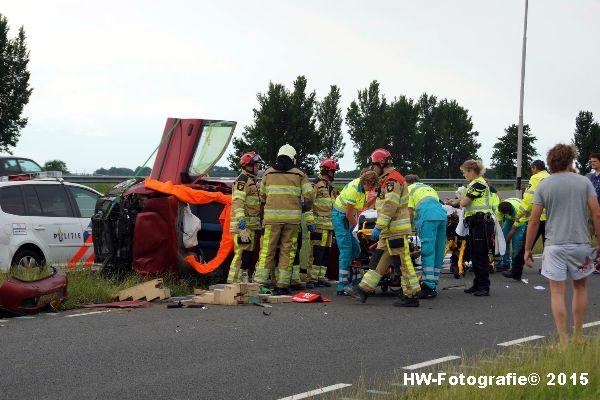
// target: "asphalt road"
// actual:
[[239, 353]]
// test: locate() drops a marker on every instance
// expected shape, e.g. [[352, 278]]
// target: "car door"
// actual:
[[85, 204], [57, 225]]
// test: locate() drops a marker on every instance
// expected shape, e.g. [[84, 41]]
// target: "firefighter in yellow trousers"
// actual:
[[321, 238], [392, 229], [286, 193], [245, 215]]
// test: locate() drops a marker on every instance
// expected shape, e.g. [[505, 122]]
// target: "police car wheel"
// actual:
[[26, 258]]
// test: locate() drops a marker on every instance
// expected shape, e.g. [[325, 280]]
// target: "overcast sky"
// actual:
[[106, 75]]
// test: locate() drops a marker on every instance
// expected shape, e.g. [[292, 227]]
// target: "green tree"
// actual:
[[145, 171], [14, 85], [455, 142], [329, 116], [366, 120], [402, 133], [586, 139], [504, 157], [281, 117], [427, 142], [56, 165], [302, 131]]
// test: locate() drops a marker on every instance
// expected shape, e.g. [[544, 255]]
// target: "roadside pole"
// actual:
[[518, 191]]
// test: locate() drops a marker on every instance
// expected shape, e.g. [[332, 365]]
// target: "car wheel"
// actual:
[[26, 259]]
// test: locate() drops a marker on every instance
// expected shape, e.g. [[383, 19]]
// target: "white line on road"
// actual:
[[522, 340], [3, 320], [89, 313], [590, 324], [25, 317], [432, 362], [316, 391]]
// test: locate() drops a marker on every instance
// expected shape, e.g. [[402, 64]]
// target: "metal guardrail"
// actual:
[[83, 179]]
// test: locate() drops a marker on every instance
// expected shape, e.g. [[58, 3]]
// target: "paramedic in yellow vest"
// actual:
[[245, 216], [513, 230], [391, 231], [353, 197], [320, 239], [286, 193], [430, 221], [478, 217], [538, 174]]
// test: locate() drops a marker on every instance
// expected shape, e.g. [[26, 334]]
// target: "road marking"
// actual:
[[378, 392], [25, 317], [589, 324], [522, 340], [432, 362], [316, 391], [3, 320], [89, 313]]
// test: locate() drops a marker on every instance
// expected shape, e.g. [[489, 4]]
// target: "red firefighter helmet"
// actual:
[[380, 157], [329, 163], [249, 158]]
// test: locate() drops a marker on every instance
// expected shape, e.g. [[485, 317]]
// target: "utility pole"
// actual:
[[520, 132]]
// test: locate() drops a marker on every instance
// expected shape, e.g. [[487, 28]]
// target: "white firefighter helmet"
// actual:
[[287, 150]]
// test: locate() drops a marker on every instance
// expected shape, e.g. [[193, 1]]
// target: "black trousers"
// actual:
[[481, 233], [519, 259]]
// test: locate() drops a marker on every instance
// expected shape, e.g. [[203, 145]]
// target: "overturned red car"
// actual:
[[144, 226]]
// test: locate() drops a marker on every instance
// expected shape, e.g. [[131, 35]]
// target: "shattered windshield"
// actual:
[[212, 144]]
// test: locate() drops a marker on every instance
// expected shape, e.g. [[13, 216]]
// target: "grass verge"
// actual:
[[564, 374], [89, 286]]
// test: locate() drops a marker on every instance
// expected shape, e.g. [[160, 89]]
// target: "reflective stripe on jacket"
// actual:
[[283, 193]]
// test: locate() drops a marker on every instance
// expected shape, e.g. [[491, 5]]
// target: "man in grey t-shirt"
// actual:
[[566, 196]]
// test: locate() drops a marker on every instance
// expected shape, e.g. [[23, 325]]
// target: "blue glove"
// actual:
[[242, 224], [311, 228], [375, 233]]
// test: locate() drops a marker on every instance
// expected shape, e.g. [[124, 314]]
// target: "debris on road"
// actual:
[[307, 297], [230, 295], [150, 290], [479, 323], [539, 288], [20, 297], [179, 304], [525, 281], [119, 304]]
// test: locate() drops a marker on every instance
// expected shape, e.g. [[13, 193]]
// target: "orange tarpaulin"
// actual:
[[193, 196]]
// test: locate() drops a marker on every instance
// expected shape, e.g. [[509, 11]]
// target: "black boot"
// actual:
[[471, 290], [427, 292], [407, 302], [512, 275], [357, 293]]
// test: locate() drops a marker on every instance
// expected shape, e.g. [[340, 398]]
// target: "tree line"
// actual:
[[428, 135]]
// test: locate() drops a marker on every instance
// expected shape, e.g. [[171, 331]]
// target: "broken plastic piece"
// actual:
[[539, 288], [18, 297]]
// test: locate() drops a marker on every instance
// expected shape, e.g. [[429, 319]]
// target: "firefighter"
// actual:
[[430, 220], [479, 219], [286, 194], [245, 215], [391, 231], [538, 174], [512, 229], [353, 197], [321, 238]]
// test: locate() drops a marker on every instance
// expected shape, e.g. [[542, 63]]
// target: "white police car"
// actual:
[[45, 220]]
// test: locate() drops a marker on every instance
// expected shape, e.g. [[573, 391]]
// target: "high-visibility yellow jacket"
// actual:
[[419, 192], [283, 193], [479, 193], [524, 211], [393, 217], [245, 204], [322, 204], [353, 194], [515, 203]]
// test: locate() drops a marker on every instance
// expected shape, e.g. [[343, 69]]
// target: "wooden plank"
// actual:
[[150, 290]]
